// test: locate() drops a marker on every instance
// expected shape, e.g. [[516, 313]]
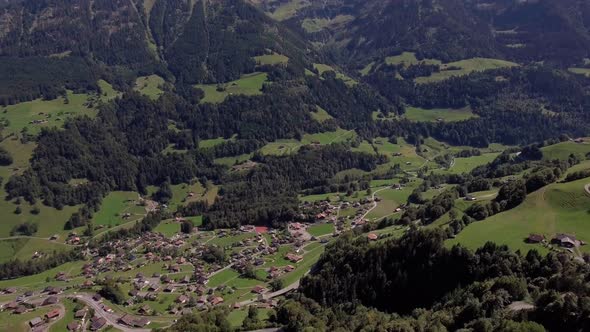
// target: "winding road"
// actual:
[[587, 188], [112, 319]]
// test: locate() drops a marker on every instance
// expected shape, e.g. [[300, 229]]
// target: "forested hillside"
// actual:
[[335, 165]]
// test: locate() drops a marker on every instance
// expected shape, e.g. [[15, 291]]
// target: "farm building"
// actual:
[[535, 238]]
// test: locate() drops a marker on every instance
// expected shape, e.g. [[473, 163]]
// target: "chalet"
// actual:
[[88, 283], [127, 320], [73, 326], [289, 268], [11, 305], [97, 323], [153, 287], [201, 290], [141, 322], [133, 292], [10, 290], [202, 299], [202, 279], [145, 309], [470, 198], [565, 240], [535, 238], [53, 290], [52, 314], [169, 289], [80, 314], [35, 322], [128, 302], [185, 279], [216, 300], [259, 290], [294, 258], [51, 300], [182, 299], [21, 309], [373, 236]]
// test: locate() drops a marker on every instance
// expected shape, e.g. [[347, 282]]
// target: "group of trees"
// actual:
[[455, 287]]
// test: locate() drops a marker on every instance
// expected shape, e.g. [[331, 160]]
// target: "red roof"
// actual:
[[261, 229], [373, 236], [52, 314]]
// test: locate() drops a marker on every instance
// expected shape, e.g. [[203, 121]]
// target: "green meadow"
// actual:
[[24, 248], [445, 114], [289, 146], [271, 59], [115, 205], [564, 149], [557, 208], [209, 143], [288, 9], [321, 229], [318, 24], [320, 114], [48, 113], [408, 59], [249, 84], [322, 68], [466, 67], [149, 86], [580, 71]]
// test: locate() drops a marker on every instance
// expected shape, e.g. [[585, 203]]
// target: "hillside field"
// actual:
[[249, 85], [557, 208], [444, 114]]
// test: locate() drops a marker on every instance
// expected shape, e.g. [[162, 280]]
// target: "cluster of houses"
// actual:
[[563, 240]]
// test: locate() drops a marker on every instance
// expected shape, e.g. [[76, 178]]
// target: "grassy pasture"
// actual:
[[466, 66], [580, 71], [289, 146], [564, 149], [114, 205], [271, 59], [445, 114], [409, 58], [168, 228], [321, 229], [249, 84], [322, 68], [557, 208], [54, 112], [318, 24], [466, 165], [107, 91], [230, 161], [320, 115], [10, 322], [288, 9], [24, 248], [367, 69], [209, 143], [149, 86]]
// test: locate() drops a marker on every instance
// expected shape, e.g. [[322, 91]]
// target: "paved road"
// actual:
[[112, 319], [587, 188], [280, 292], [374, 203]]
